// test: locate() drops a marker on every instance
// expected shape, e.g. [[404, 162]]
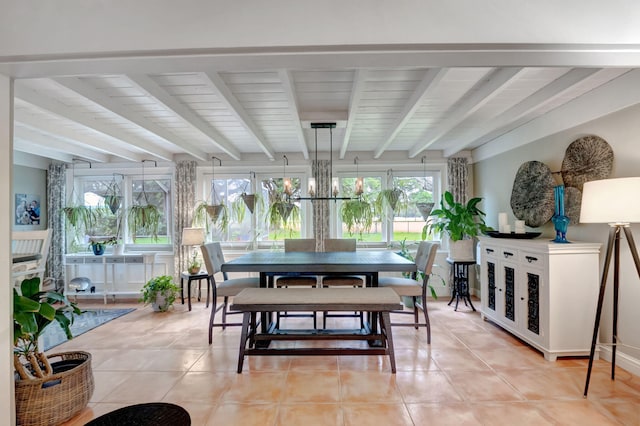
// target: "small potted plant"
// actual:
[[97, 244], [70, 377], [194, 265], [160, 292], [460, 222]]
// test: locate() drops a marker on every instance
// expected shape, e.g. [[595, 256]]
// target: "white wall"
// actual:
[[34, 27], [494, 181]]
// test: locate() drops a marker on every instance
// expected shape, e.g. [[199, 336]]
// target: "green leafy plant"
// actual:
[[144, 219], [357, 215], [204, 214], [459, 221], [160, 291], [33, 311]]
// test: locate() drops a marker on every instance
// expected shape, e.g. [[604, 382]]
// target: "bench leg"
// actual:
[[243, 339], [385, 325]]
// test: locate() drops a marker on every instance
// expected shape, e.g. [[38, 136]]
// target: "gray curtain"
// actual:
[[458, 179], [185, 200], [56, 179], [320, 169]]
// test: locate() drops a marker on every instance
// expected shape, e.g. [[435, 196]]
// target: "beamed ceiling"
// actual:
[[259, 107]]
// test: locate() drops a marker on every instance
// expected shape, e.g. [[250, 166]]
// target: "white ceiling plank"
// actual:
[[28, 147], [611, 97], [494, 128], [154, 90], [287, 81], [98, 97], [66, 134], [430, 80], [63, 111], [488, 88], [49, 143], [354, 104], [216, 83]]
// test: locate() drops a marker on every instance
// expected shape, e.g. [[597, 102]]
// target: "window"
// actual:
[[239, 218], [95, 192], [408, 221]]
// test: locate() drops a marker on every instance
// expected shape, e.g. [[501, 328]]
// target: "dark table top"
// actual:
[[346, 262]]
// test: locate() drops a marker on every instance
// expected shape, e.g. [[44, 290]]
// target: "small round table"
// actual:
[[194, 277], [149, 414], [460, 285]]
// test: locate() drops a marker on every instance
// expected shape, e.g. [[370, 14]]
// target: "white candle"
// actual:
[[519, 227], [503, 223]]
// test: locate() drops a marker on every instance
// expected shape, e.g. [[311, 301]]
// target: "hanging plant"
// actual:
[[214, 210], [357, 215], [281, 213], [425, 209], [112, 198], [143, 218], [79, 216], [393, 200]]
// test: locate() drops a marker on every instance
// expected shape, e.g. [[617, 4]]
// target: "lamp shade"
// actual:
[[611, 201], [192, 236]]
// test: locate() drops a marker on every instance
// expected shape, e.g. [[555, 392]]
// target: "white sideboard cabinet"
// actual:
[[542, 292]]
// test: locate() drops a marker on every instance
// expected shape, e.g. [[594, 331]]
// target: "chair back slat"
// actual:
[[300, 244], [339, 244], [213, 257], [426, 256]]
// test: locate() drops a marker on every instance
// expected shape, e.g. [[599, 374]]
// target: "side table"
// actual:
[[460, 285], [194, 277]]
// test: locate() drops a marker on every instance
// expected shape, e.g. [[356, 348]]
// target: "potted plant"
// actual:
[[281, 212], [98, 245], [46, 392], [460, 222], [390, 200], [160, 292]]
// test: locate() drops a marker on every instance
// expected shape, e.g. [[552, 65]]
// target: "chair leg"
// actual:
[[426, 318], [224, 312], [212, 318]]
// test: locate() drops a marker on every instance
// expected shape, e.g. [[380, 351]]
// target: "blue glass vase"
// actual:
[[560, 221]]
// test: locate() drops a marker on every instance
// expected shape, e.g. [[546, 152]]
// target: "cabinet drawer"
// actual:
[[532, 259], [114, 259], [490, 250], [74, 260], [134, 259], [95, 259], [508, 253]]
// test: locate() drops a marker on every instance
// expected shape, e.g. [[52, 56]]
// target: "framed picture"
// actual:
[[27, 209]]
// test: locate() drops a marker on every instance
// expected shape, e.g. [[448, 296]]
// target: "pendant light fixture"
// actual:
[[286, 181], [359, 186], [335, 181]]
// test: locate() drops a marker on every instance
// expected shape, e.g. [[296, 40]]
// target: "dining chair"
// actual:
[[416, 286], [338, 245], [213, 260], [297, 280]]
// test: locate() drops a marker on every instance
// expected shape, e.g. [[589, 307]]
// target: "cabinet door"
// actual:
[[531, 302], [507, 293]]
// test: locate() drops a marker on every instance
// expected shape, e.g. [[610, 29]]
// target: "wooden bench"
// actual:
[[376, 301]]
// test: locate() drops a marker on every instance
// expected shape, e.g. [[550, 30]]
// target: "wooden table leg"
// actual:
[[385, 325], [243, 339]]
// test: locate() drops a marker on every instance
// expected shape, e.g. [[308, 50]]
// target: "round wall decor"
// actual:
[[588, 158], [532, 195]]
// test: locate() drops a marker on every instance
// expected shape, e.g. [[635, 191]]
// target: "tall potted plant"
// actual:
[[46, 392], [460, 222]]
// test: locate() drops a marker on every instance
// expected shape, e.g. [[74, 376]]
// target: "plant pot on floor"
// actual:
[[58, 397]]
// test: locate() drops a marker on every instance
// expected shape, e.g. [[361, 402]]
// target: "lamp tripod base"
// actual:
[[613, 248]]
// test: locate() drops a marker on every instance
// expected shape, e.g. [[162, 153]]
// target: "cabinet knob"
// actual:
[[531, 259], [522, 298], [489, 250], [507, 254]]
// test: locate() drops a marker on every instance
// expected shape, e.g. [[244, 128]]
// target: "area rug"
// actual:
[[88, 320]]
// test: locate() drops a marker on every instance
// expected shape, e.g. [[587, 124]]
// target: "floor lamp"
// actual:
[[617, 203]]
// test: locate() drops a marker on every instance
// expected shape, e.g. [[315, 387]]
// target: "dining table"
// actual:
[[368, 263]]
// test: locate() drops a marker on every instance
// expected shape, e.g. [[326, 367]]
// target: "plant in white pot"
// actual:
[[49, 389], [460, 222], [160, 292]]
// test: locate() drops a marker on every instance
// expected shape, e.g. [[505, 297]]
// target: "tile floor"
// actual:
[[473, 373]]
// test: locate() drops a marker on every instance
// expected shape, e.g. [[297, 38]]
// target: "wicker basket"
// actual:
[[55, 399]]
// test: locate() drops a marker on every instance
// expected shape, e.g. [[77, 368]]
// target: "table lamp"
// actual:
[[193, 237], [615, 202]]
